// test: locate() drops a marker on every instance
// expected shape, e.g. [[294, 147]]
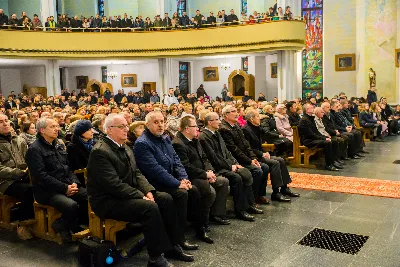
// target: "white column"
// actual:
[[361, 70], [260, 76], [47, 9], [166, 74], [53, 77], [287, 75]]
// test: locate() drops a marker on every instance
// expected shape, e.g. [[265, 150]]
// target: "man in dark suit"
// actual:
[[119, 191], [213, 189], [161, 166], [184, 20], [9, 104], [3, 18], [294, 117], [233, 18], [211, 19], [239, 147], [279, 173], [312, 138], [166, 22], [125, 22], [240, 178]]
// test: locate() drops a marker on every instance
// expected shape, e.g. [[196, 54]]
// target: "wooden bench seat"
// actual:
[[368, 134], [301, 152], [268, 147], [6, 204]]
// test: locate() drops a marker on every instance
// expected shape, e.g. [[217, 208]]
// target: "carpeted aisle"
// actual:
[[343, 184]]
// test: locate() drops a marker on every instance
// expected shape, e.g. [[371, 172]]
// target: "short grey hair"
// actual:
[[151, 115], [109, 121], [250, 113], [97, 119], [208, 116], [42, 124], [58, 115], [226, 110]]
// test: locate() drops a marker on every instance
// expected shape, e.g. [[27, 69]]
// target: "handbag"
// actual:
[[95, 252]]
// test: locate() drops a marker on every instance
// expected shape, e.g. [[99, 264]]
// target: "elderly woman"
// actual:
[[98, 123], [135, 131], [282, 122], [80, 147], [173, 120]]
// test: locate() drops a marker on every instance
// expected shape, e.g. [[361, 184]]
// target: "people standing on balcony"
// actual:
[[158, 22], [176, 17], [125, 22], [211, 19], [3, 18], [96, 23], [233, 18], [166, 22], [198, 17], [220, 18], [148, 24], [63, 23], [224, 15], [36, 22], [288, 14], [76, 23], [14, 22]]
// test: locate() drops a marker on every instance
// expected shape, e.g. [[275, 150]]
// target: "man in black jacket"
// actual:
[[345, 110], [211, 19], [119, 191], [233, 18], [184, 20], [3, 18], [240, 178], [246, 97], [10, 103], [312, 138], [294, 117], [166, 22], [125, 22], [213, 189], [54, 183], [76, 23], [239, 147], [346, 128], [279, 173]]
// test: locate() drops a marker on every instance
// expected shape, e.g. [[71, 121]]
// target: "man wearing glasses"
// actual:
[[213, 189], [119, 191], [240, 178]]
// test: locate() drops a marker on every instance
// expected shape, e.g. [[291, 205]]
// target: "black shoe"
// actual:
[[159, 262], [341, 161], [59, 228], [355, 157], [364, 152], [254, 210], [187, 246], [201, 233], [331, 168], [177, 253], [361, 156], [279, 197], [244, 216], [219, 220], [289, 193], [338, 165]]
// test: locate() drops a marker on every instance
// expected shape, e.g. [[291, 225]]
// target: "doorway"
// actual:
[[149, 86], [95, 87], [238, 85]]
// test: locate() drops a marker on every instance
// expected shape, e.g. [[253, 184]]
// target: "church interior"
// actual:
[[221, 133]]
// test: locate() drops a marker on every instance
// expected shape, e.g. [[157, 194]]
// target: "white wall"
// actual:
[[10, 80], [339, 38], [93, 72], [271, 83], [33, 76], [213, 89]]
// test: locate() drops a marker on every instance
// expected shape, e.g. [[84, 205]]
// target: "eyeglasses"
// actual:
[[217, 119], [192, 126], [121, 127]]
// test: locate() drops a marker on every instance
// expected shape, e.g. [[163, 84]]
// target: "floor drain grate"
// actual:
[[335, 241]]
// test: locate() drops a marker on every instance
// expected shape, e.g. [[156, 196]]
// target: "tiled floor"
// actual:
[[271, 240]]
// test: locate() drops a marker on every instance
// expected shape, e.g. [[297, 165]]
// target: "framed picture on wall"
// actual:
[[81, 82], [210, 74], [345, 62], [397, 57], [128, 80], [274, 70]]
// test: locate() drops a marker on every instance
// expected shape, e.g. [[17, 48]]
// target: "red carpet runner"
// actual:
[[343, 184]]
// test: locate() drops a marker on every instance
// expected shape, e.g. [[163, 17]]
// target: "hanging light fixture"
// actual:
[[112, 74], [225, 66]]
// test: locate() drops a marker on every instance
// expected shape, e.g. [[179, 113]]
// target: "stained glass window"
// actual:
[[181, 6], [101, 7], [312, 11], [184, 77], [244, 6]]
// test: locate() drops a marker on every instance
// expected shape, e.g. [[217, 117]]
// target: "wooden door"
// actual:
[[149, 86]]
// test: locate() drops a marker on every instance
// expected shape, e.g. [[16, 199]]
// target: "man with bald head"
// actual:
[[312, 138], [3, 18], [54, 183]]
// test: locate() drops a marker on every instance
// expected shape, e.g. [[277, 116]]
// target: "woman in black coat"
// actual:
[[80, 147]]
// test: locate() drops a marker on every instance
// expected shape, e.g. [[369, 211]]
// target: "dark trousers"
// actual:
[[278, 171], [260, 176], [354, 143], [240, 183], [341, 149], [74, 209], [220, 186], [158, 220], [201, 198], [23, 192], [328, 150], [180, 197], [285, 146]]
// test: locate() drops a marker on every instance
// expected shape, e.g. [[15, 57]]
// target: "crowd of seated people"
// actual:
[[165, 162], [65, 22]]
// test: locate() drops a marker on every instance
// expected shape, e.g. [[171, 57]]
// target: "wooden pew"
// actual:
[[368, 134], [300, 151], [268, 147], [6, 204], [105, 229]]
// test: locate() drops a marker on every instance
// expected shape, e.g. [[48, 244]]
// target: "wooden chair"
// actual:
[[105, 229], [368, 134], [6, 204], [300, 152]]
